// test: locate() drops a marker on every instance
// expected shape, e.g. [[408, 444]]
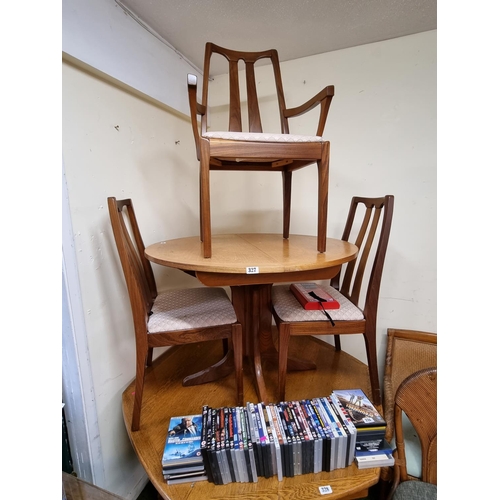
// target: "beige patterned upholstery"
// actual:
[[190, 308], [288, 308], [262, 137]]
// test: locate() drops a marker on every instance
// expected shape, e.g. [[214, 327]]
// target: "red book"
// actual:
[[302, 294]]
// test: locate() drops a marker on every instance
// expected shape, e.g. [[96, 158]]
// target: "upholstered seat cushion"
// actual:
[[288, 308], [190, 308], [261, 137], [415, 490]]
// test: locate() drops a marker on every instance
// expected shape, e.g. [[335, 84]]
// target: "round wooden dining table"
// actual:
[[250, 264]]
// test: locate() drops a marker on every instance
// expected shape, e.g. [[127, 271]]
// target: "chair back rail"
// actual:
[[137, 269], [353, 277], [249, 58]]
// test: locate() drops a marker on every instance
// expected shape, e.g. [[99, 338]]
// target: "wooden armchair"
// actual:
[[173, 317], [255, 150], [369, 220], [417, 398]]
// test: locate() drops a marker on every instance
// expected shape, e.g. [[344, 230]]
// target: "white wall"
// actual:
[[382, 127], [101, 34], [115, 144]]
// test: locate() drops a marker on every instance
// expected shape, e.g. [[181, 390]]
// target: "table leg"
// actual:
[[252, 304]]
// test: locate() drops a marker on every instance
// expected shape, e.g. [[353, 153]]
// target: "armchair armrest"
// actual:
[[324, 98], [195, 109]]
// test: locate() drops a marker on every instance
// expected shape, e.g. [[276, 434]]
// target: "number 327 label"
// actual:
[[252, 270]]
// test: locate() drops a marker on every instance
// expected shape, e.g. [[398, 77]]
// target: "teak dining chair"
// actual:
[[358, 299], [255, 150], [417, 398], [169, 318]]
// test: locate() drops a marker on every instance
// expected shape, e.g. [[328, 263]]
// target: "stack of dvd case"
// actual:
[[368, 421], [287, 439], [182, 460], [240, 444], [372, 450], [226, 447]]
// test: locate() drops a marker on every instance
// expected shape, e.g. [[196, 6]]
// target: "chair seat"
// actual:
[[190, 308], [415, 490], [288, 308], [262, 137]]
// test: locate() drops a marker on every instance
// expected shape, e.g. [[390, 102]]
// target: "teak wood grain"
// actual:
[[164, 397], [233, 253]]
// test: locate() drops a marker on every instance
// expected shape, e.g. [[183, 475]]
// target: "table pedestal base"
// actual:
[[252, 304]]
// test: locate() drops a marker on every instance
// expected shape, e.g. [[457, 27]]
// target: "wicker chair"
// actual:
[[417, 398], [408, 351]]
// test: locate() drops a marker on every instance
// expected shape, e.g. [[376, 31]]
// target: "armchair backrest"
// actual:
[[235, 113], [373, 235], [417, 398], [136, 268], [233, 57], [408, 351]]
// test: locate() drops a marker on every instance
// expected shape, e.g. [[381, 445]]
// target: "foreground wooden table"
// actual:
[[250, 264], [164, 397]]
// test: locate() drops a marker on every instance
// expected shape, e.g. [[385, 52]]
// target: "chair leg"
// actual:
[[225, 346], [283, 342], [338, 347], [371, 355], [140, 372], [205, 226], [149, 360], [384, 483], [200, 196], [323, 169], [287, 202], [237, 341]]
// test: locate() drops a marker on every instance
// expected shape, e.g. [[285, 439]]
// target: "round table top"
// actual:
[[251, 253]]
